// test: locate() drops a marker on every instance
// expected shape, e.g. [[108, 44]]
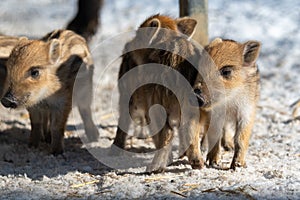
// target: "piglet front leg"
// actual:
[[36, 120], [57, 128]]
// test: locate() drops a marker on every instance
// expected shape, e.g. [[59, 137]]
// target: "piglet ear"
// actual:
[[251, 52], [186, 25], [54, 51], [23, 39], [215, 42], [154, 23]]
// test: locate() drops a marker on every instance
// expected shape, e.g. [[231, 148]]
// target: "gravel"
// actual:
[[273, 159]]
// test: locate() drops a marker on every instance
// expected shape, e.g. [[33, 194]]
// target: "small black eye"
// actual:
[[34, 73], [226, 71]]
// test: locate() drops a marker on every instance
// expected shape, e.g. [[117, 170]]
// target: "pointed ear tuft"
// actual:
[[54, 51], [215, 41], [186, 26], [23, 38], [251, 52]]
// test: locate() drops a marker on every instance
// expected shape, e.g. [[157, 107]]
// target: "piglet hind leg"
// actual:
[[227, 138], [124, 122], [163, 155], [214, 136], [118, 146], [120, 140], [190, 136], [213, 157], [46, 126]]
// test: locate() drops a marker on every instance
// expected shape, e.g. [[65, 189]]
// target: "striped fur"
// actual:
[[7, 43], [161, 43], [230, 83], [41, 77]]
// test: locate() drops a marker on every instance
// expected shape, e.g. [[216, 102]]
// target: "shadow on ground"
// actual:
[[17, 158]]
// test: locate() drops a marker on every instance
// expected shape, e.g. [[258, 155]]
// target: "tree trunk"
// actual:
[[197, 9]]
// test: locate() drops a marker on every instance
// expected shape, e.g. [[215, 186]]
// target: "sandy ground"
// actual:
[[273, 159]]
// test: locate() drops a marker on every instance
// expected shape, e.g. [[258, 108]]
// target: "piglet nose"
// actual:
[[197, 92], [9, 101]]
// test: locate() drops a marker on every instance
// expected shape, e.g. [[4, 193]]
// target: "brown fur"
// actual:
[[41, 76], [148, 95], [237, 93]]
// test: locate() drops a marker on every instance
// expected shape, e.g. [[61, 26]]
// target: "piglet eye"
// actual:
[[34, 72], [226, 71]]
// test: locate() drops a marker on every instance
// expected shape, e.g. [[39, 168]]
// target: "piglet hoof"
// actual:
[[195, 159], [213, 160], [197, 163], [57, 151], [33, 143], [161, 159], [155, 168], [215, 164], [235, 165]]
